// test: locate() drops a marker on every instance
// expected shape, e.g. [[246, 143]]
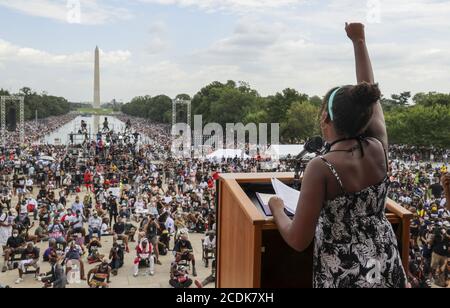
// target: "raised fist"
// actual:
[[355, 31]]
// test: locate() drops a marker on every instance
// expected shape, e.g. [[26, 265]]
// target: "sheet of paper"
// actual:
[[289, 195], [264, 201]]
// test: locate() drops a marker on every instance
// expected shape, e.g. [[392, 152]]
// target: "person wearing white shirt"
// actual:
[[170, 224], [210, 241], [77, 205], [5, 227], [29, 185], [105, 230], [167, 199], [95, 225]]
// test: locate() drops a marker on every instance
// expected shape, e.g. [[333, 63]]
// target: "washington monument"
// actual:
[[97, 79]]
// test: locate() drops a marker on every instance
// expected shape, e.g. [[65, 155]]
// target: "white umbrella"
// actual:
[[48, 158]]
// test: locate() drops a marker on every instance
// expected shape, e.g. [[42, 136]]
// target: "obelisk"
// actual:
[[97, 79]]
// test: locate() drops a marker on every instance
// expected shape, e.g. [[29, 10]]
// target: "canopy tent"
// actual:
[[227, 153], [47, 158], [282, 151]]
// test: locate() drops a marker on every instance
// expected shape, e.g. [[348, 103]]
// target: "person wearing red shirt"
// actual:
[[88, 180]]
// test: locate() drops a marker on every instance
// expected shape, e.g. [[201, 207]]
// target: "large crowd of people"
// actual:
[[149, 203], [417, 187]]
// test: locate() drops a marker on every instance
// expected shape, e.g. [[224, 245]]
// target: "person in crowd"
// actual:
[[184, 251], [116, 255], [57, 231], [119, 233], [95, 226], [56, 278], [6, 226], [209, 245], [41, 232], [15, 245], [73, 254], [99, 276], [29, 258], [144, 257], [151, 233]]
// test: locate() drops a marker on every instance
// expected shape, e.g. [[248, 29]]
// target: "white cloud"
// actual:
[[92, 12], [304, 48], [229, 5], [158, 33], [13, 53]]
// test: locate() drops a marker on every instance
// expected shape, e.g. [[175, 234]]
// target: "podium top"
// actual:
[[236, 181], [258, 177]]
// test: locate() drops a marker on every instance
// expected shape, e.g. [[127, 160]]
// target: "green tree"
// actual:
[[431, 99], [281, 102], [301, 123], [420, 126]]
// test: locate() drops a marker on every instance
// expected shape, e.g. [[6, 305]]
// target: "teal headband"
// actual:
[[330, 103]]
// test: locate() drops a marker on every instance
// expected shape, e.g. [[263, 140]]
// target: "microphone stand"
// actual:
[[297, 171]]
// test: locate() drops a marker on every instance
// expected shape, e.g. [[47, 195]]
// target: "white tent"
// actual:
[[227, 153], [281, 151]]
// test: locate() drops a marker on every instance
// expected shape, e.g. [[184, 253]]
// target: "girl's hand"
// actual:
[[276, 204], [355, 31]]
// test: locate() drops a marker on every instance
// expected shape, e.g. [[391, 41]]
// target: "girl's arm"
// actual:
[[364, 73], [299, 232]]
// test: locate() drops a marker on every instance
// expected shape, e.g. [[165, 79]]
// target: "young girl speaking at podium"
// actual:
[[342, 203]]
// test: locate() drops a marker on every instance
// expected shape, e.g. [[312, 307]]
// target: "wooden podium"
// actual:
[[251, 252]]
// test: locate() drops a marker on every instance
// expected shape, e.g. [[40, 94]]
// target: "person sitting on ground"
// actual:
[[57, 231], [30, 257], [93, 249], [130, 231], [23, 224], [41, 232], [56, 277], [99, 276], [119, 233], [210, 279], [52, 248], [77, 205], [106, 229], [179, 277], [95, 225], [184, 251], [15, 245], [209, 245], [116, 255], [144, 257], [164, 241], [73, 254]]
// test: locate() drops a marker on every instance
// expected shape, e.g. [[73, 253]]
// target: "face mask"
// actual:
[[15, 235]]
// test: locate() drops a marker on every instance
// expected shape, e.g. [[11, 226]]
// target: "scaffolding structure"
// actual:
[[176, 102], [20, 100]]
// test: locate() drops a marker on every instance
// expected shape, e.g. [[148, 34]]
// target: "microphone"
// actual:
[[313, 145]]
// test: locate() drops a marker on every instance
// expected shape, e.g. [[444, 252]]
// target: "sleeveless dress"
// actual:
[[355, 245]]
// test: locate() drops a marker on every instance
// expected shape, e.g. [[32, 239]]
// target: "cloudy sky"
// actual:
[[178, 46]]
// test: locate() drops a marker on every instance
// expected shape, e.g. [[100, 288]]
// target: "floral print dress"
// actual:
[[355, 245]]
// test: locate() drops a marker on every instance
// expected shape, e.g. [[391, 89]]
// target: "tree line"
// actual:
[[45, 105], [423, 120], [422, 123]]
